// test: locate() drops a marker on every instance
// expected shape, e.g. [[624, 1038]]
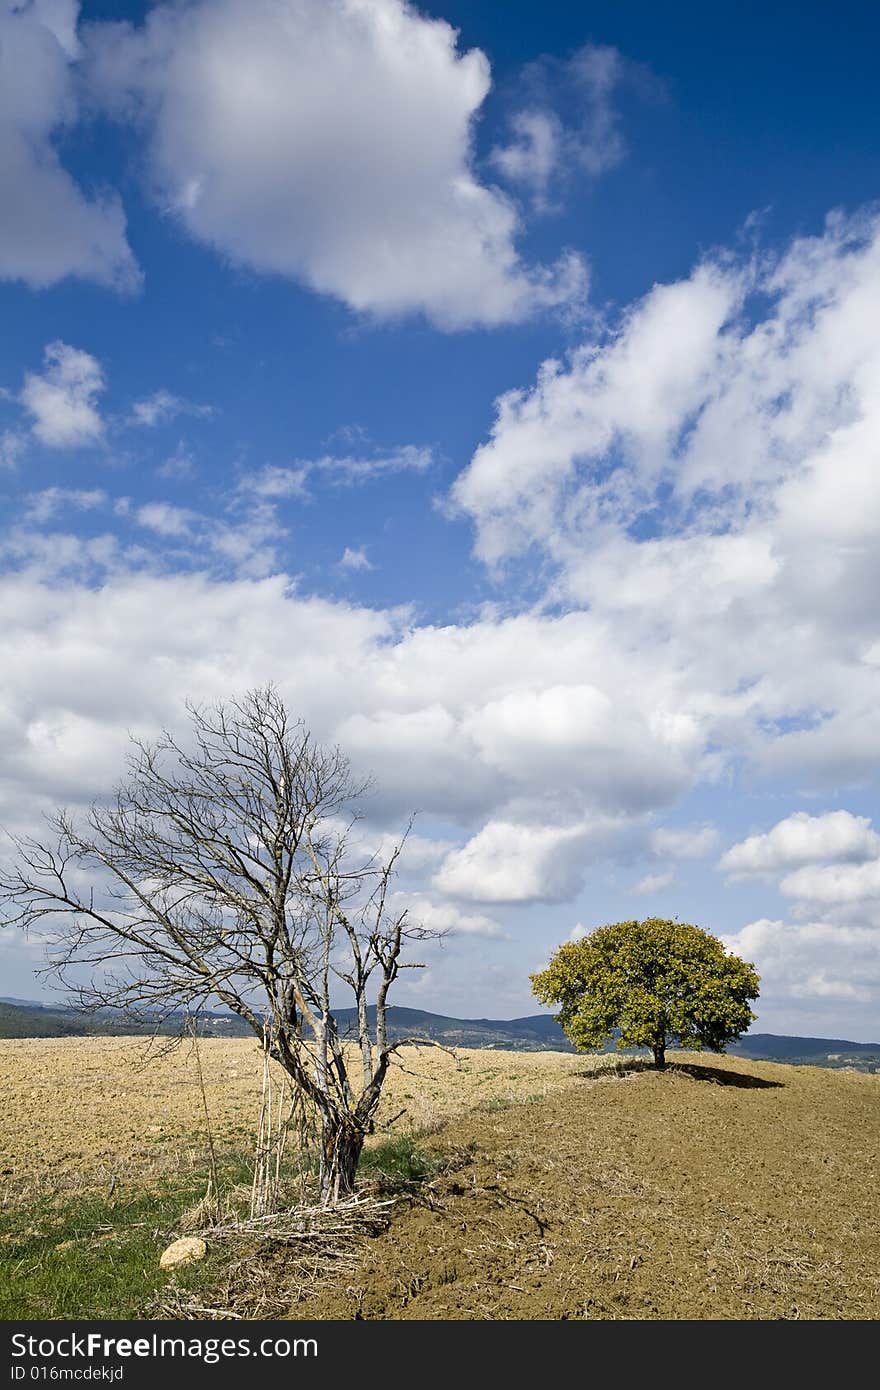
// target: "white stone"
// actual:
[[183, 1252]]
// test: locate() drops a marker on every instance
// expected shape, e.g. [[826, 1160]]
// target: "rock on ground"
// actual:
[[183, 1252]]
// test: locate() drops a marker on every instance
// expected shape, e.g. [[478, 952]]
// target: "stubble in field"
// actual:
[[82, 1113]]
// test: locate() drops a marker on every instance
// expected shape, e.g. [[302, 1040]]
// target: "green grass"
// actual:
[[95, 1257], [399, 1161]]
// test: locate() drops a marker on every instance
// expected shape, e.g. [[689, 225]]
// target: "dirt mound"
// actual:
[[733, 1190]]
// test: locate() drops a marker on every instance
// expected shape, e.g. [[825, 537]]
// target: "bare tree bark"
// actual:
[[225, 870]]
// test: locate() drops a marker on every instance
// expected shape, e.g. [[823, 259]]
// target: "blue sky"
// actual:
[[501, 381]]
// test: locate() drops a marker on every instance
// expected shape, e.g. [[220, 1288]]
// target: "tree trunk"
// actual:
[[659, 1051], [341, 1146]]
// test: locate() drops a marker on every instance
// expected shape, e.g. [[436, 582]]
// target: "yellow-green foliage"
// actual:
[[658, 982]]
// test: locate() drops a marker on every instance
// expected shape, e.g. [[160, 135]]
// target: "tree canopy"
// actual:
[[658, 982]]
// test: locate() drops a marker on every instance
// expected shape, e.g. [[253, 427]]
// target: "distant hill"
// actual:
[[35, 1020], [814, 1052], [39, 1021], [536, 1033]]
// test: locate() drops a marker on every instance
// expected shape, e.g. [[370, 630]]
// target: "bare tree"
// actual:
[[224, 869]]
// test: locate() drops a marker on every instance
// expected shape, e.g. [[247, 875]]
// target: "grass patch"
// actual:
[[399, 1161], [93, 1257], [96, 1255]]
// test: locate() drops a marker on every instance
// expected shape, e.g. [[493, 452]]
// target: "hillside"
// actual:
[[534, 1033], [736, 1190], [27, 1019], [34, 1021]]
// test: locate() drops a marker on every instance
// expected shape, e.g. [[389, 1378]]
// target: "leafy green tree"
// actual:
[[658, 982]]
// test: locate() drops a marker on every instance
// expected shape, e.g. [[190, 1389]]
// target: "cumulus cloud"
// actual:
[[540, 476], [829, 955], [166, 519], [509, 862], [810, 969], [50, 228], [834, 884], [146, 644], [803, 839], [413, 704], [241, 541], [445, 918], [62, 401], [704, 614], [705, 481], [578, 735], [328, 141]]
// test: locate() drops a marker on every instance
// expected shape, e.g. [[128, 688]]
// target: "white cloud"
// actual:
[[12, 448], [415, 705], [803, 839], [49, 229], [534, 152], [84, 664], [834, 885], [62, 401], [328, 141], [178, 465], [536, 478], [166, 519], [684, 842], [830, 955], [292, 480], [356, 560], [579, 735], [241, 541], [276, 482], [653, 883], [516, 863], [570, 124], [419, 853], [162, 407], [46, 505], [810, 969], [445, 917], [404, 702], [704, 481], [245, 543], [822, 985]]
